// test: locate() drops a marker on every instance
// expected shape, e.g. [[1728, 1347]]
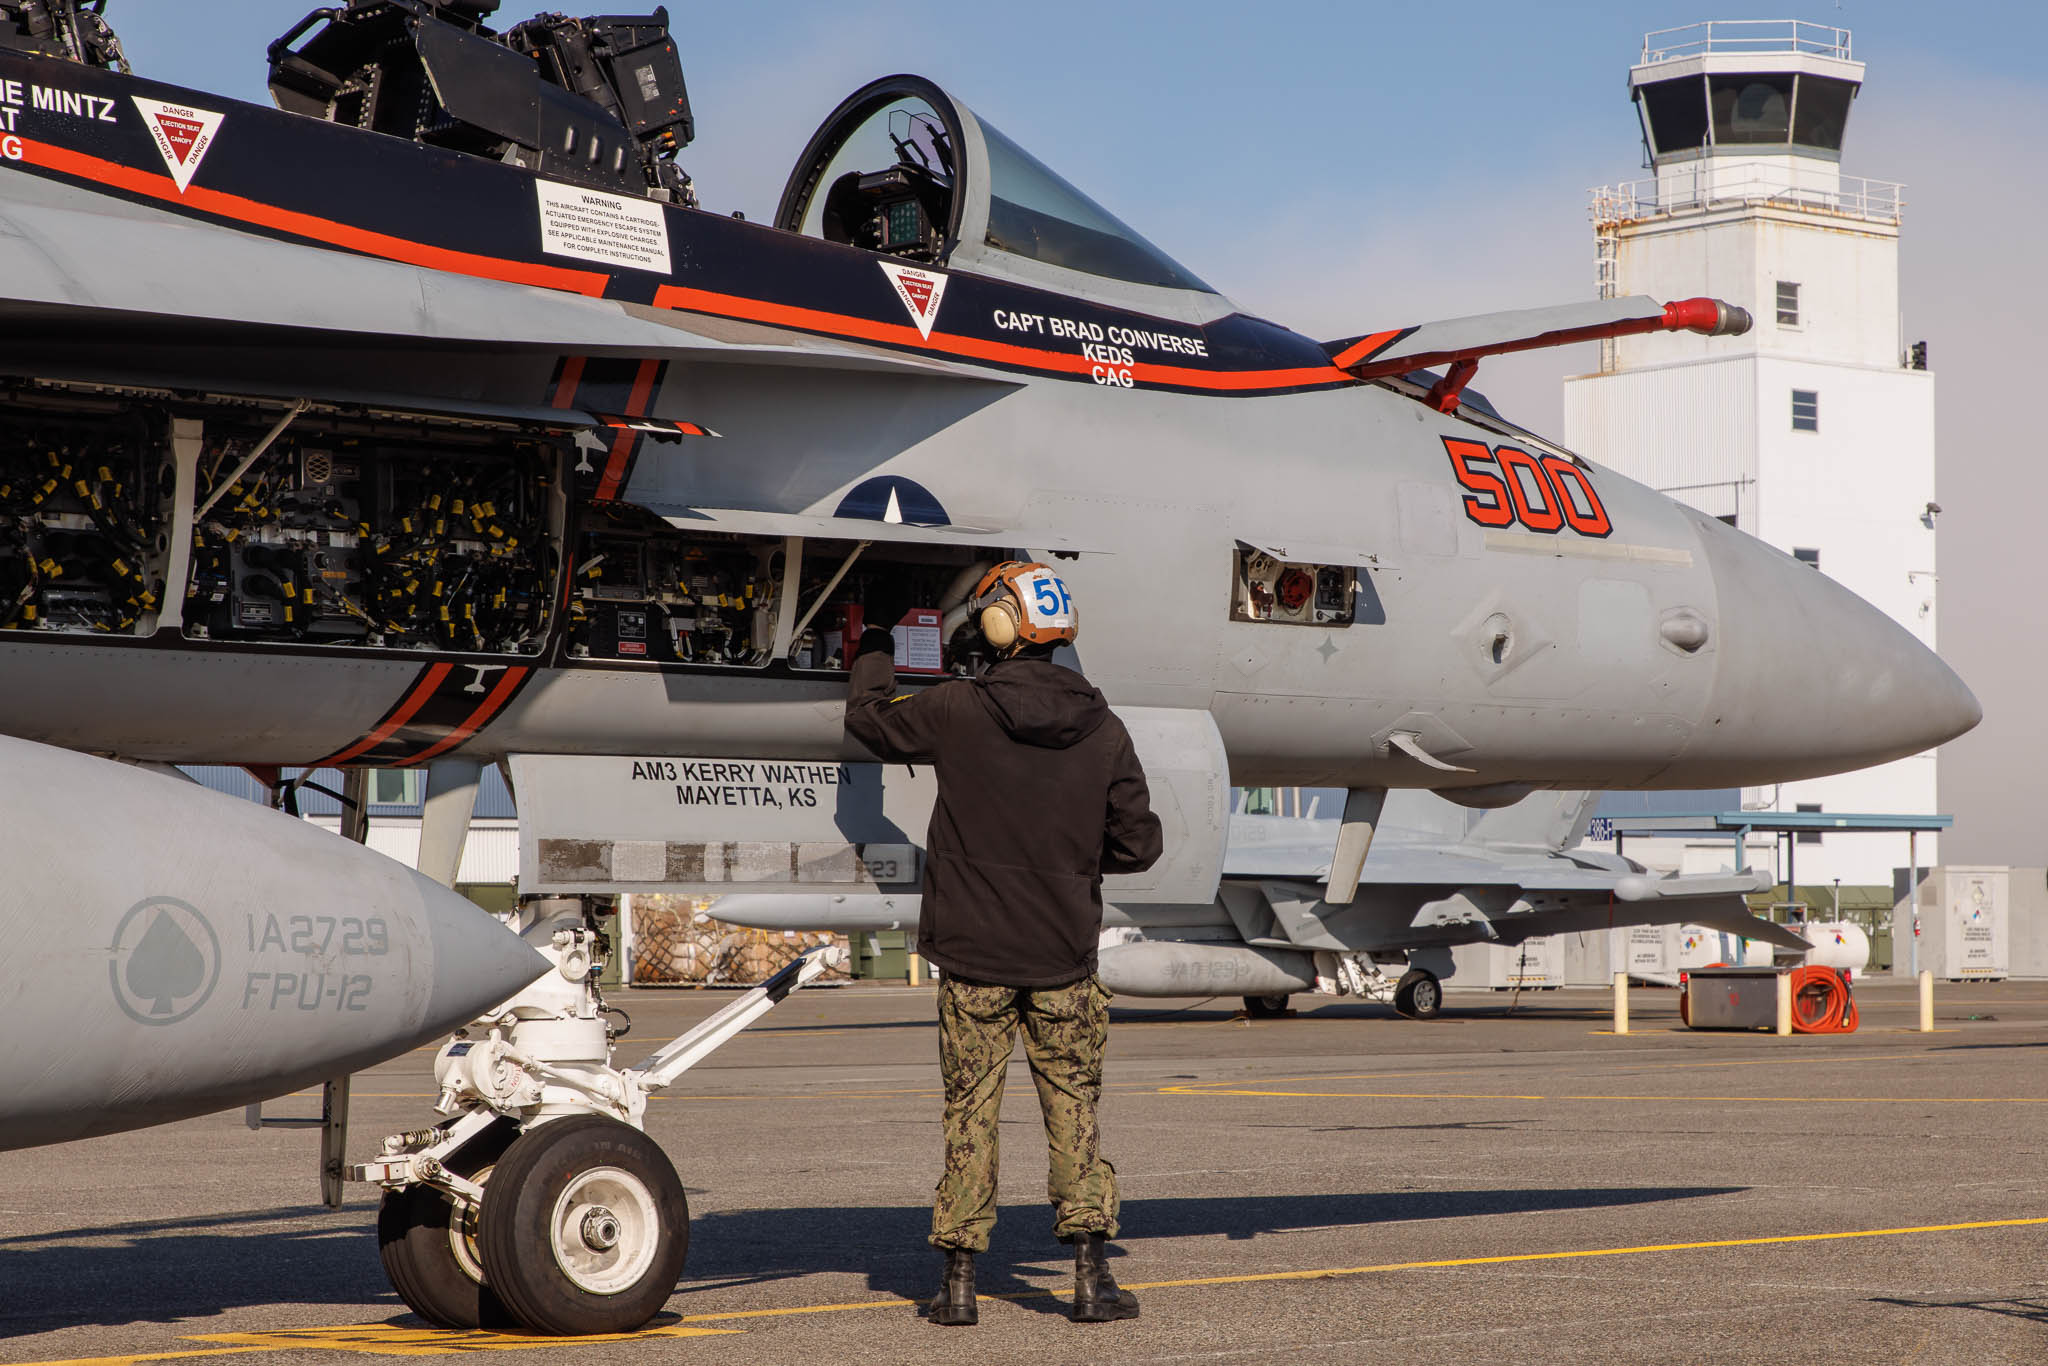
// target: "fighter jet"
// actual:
[[425, 420], [1438, 875]]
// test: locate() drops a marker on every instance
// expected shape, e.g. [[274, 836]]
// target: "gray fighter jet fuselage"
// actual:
[[337, 435]]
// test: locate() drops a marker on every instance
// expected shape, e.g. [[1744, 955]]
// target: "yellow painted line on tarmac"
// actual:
[[1213, 1090], [1503, 1259], [387, 1339], [382, 1339], [1339, 1272]]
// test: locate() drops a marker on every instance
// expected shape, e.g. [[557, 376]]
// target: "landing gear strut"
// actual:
[[540, 1203], [1417, 994]]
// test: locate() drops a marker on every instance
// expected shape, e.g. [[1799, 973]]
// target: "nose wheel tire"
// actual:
[[584, 1228], [430, 1252], [1419, 995]]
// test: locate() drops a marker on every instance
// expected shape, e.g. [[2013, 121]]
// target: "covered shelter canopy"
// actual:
[[1739, 825]]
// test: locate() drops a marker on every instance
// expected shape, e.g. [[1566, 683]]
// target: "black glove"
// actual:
[[875, 640]]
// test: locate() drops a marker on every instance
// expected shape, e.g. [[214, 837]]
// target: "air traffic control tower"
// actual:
[[1815, 431]]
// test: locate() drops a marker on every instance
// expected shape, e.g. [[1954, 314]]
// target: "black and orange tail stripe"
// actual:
[[443, 708]]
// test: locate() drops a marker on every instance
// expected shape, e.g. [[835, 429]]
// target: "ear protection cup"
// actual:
[[999, 624]]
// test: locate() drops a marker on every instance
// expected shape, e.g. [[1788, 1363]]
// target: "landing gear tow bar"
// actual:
[[540, 1203]]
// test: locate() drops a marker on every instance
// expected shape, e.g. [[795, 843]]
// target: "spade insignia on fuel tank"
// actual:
[[165, 961]]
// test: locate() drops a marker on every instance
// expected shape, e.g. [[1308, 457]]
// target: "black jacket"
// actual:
[[1040, 794]]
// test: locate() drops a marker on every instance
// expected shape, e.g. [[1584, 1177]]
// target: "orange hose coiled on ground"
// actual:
[[1821, 1002]]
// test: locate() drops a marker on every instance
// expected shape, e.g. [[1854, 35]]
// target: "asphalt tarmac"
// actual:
[[1342, 1186]]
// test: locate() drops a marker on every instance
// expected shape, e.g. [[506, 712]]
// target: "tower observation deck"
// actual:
[[1740, 114]]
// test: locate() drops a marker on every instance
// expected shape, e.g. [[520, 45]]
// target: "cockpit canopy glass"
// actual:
[[1034, 212], [904, 208]]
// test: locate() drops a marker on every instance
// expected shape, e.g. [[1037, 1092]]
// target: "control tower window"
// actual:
[[1676, 112], [1822, 112], [1788, 303], [1034, 212], [1805, 410], [1752, 108]]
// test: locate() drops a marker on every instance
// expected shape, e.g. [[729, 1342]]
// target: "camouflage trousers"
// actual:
[[1065, 1029]]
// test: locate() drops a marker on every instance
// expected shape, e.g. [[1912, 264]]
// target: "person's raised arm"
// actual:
[[900, 729]]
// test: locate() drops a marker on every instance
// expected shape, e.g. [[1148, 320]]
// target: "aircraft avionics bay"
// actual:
[[459, 435]]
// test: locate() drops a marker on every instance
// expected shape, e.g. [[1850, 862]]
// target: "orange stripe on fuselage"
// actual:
[[477, 719], [572, 376], [622, 446], [406, 711], [118, 176], [1003, 353]]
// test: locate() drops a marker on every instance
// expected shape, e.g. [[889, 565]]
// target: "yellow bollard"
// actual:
[[1926, 1003], [916, 970], [1621, 1003], [1784, 1004]]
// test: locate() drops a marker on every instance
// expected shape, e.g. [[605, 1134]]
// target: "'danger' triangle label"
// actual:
[[181, 134], [920, 291]]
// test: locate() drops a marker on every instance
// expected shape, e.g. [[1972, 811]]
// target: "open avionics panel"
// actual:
[[375, 534], [342, 530], [646, 590], [85, 510], [393, 532]]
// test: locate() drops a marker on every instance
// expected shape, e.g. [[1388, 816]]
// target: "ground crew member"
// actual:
[[1040, 794]]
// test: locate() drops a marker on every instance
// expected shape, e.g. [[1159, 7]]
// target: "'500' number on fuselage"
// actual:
[[1507, 486]]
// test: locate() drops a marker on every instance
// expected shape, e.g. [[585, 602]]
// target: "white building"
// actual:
[[1813, 432]]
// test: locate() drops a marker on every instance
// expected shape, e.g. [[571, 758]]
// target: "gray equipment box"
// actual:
[[1732, 998]]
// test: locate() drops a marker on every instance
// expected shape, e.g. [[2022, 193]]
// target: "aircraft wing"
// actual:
[[1725, 911]]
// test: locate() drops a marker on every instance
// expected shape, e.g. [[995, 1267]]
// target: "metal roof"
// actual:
[[1715, 822]]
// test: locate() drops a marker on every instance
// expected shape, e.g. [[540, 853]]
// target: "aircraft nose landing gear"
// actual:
[[540, 1204], [584, 1227]]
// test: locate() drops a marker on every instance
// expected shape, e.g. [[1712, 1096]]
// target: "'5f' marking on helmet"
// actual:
[[1022, 603]]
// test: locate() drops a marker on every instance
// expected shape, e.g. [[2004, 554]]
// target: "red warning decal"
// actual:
[[182, 135], [920, 290]]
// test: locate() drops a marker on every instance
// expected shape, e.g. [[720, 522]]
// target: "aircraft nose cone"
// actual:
[[1811, 679]]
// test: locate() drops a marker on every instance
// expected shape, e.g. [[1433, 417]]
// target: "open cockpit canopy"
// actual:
[[903, 169]]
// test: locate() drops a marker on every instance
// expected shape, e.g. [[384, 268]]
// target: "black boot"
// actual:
[[1096, 1296], [954, 1305]]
